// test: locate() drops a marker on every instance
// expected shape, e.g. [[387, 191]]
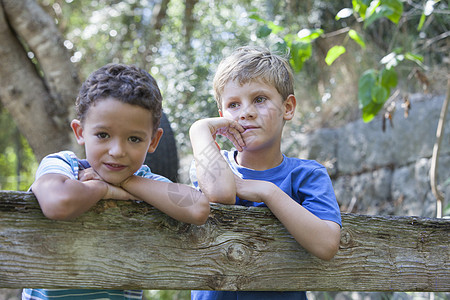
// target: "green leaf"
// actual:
[[370, 111], [360, 7], [334, 53], [289, 39], [263, 31], [280, 47], [343, 13], [373, 91], [357, 38], [390, 9], [418, 59], [275, 28], [379, 94], [421, 22], [377, 14], [395, 9], [269, 24], [257, 18], [296, 63], [389, 78], [300, 52], [307, 35], [366, 82]]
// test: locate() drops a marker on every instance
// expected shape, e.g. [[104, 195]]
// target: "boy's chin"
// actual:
[[114, 180]]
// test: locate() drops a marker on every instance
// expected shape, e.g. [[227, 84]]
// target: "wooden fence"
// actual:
[[129, 245]]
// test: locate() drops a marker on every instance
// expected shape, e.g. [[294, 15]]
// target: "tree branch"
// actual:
[[188, 22], [153, 33], [39, 32], [25, 94], [434, 159]]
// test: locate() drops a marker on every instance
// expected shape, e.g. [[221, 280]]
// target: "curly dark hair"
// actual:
[[125, 83]]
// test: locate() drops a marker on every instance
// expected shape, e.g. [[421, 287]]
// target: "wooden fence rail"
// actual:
[[129, 245]]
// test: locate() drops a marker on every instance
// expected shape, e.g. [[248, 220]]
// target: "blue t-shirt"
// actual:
[[66, 163], [305, 181]]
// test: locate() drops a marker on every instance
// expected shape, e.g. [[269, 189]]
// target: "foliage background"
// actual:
[[183, 51]]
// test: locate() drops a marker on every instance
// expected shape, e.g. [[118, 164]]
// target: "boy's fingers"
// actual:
[[118, 193], [85, 176], [236, 138], [238, 127], [221, 124], [236, 144], [230, 129], [88, 174]]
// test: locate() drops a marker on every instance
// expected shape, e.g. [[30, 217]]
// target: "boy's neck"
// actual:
[[259, 160]]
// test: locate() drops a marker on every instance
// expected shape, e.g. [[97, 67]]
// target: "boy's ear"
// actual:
[[155, 140], [78, 130], [289, 107]]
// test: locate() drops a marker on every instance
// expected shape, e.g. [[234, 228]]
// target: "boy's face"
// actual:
[[116, 137], [260, 109]]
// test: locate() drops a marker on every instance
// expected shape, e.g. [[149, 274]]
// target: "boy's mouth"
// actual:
[[115, 167], [249, 127]]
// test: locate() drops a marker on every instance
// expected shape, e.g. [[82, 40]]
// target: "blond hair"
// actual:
[[249, 63]]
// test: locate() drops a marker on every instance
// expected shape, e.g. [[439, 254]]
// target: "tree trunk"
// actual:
[[188, 22], [38, 93]]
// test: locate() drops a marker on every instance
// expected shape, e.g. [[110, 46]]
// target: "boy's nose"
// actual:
[[248, 112], [117, 149]]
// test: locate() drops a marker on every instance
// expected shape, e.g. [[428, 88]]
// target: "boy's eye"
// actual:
[[134, 139], [233, 105], [102, 135], [260, 99]]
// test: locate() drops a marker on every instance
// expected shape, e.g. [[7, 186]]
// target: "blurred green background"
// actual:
[[181, 42]]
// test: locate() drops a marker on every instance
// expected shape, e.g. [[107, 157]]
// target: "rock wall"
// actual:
[[376, 172]]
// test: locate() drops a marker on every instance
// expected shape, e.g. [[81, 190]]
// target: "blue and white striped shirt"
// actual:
[[38, 294], [66, 163]]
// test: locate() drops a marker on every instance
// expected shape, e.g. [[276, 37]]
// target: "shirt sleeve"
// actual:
[[318, 196], [64, 163], [145, 172], [193, 175]]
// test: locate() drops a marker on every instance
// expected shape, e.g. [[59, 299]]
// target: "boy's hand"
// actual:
[[88, 174], [211, 167], [112, 191], [118, 193], [253, 190], [232, 130]]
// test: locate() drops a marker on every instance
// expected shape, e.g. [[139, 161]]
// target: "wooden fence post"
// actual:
[[129, 245]]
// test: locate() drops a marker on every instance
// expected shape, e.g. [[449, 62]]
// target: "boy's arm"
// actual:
[[215, 177], [179, 201], [319, 237], [62, 198]]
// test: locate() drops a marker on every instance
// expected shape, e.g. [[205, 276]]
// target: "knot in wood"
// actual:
[[14, 91], [346, 239], [104, 205], [238, 252]]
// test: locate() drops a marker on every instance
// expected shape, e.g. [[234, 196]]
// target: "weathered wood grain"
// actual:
[[123, 244]]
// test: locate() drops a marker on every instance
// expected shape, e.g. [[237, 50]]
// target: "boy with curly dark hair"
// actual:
[[119, 110]]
